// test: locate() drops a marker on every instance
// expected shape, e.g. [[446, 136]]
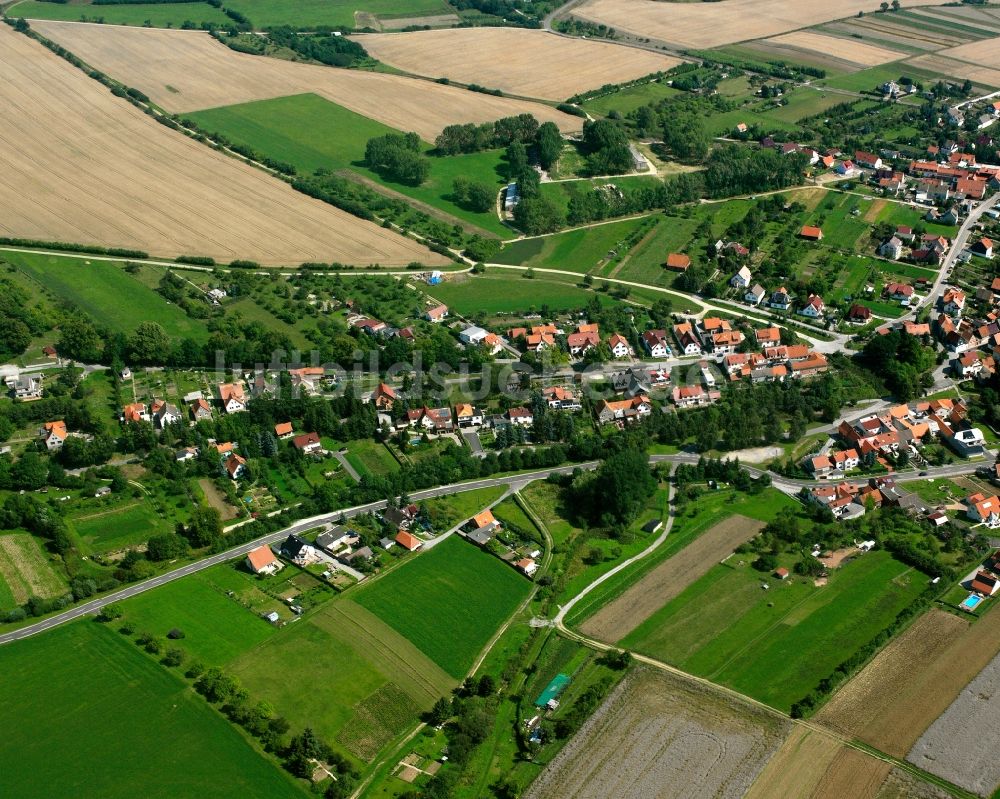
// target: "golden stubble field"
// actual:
[[531, 63], [698, 25], [859, 53], [896, 697], [190, 71], [82, 166]]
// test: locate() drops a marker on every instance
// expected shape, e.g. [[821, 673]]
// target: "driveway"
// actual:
[[472, 438]]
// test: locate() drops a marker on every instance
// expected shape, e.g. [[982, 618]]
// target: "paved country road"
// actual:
[[94, 605], [787, 485]]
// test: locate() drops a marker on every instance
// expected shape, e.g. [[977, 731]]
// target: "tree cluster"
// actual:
[[397, 156]]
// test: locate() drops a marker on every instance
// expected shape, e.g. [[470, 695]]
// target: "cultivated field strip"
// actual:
[[190, 71], [629, 610], [531, 63], [661, 735], [962, 745], [698, 25], [80, 165], [911, 682], [860, 53], [25, 569], [955, 69]]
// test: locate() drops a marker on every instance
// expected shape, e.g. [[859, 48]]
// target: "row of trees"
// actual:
[[472, 138]]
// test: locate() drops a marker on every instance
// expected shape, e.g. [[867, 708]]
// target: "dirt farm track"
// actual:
[[190, 71], [80, 165], [530, 63]]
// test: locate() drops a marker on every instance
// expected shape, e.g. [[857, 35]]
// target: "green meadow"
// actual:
[[82, 697], [776, 644], [158, 15], [448, 602]]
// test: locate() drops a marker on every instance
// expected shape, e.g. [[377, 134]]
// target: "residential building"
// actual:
[[54, 435], [755, 295], [580, 343], [741, 280], [561, 398], [624, 411], [135, 412], [691, 396], [620, 348], [983, 510], [983, 248], [655, 342], [384, 397], [164, 413], [768, 337], [408, 541], [436, 314], [859, 314], [472, 335], [232, 397], [308, 443], [200, 409], [678, 262], [24, 387], [468, 416], [521, 416], [686, 338], [900, 292], [892, 249], [298, 551], [814, 307], [781, 300], [527, 566], [811, 233], [953, 302], [436, 420], [263, 561], [284, 430], [234, 465]]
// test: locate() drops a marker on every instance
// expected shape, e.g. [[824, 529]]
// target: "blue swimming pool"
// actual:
[[971, 602]]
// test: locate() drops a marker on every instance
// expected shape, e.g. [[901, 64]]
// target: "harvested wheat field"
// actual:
[[697, 25], [852, 773], [962, 744], [190, 71], [903, 785], [864, 55], [664, 736], [896, 697], [955, 69], [797, 767], [985, 53], [531, 63], [630, 609], [80, 165]]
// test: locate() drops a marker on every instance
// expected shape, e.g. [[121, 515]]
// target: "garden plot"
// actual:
[[661, 735], [25, 570], [618, 618], [82, 166], [190, 71], [962, 744], [532, 63]]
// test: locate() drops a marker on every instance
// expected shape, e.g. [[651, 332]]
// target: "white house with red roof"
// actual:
[[814, 307], [436, 314], [232, 397], [263, 561], [655, 342], [619, 346]]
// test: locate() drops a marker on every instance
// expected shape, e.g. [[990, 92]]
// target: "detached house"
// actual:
[[200, 409], [814, 307], [384, 397], [436, 314], [741, 279], [135, 412], [468, 416], [262, 561], [307, 443], [691, 396], [892, 249], [521, 416], [54, 435], [619, 346], [284, 430], [755, 295], [582, 343], [232, 397], [811, 233], [561, 398], [900, 292], [768, 337], [688, 341], [655, 342], [953, 303], [234, 465], [627, 410], [678, 262], [859, 314], [983, 510], [25, 387], [437, 420], [983, 248], [164, 413], [781, 300]]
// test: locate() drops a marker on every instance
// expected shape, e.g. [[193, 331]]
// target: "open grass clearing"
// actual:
[[335, 13], [630, 99], [776, 645], [203, 73], [116, 528], [448, 601], [509, 292], [371, 457], [694, 744], [529, 63], [83, 689], [153, 190], [579, 250], [310, 132], [25, 569]]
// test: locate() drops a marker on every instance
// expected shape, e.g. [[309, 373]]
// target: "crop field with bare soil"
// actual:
[[190, 71], [618, 618], [82, 166], [530, 63], [957, 69], [662, 735], [962, 744], [896, 697], [859, 53], [811, 763], [698, 25]]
